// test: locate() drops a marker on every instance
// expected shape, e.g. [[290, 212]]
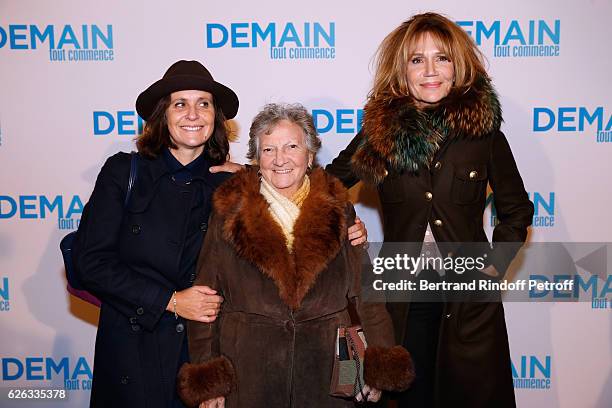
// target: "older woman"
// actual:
[[277, 250], [431, 142], [139, 258]]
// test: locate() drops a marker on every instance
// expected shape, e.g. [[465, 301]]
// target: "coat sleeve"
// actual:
[[96, 251], [209, 375], [387, 366], [514, 209], [341, 168]]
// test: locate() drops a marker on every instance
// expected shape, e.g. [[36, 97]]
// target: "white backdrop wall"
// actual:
[[60, 119]]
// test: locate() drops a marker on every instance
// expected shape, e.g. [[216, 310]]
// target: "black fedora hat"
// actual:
[[181, 76]]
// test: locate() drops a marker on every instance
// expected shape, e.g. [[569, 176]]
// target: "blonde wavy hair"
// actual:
[[394, 53]]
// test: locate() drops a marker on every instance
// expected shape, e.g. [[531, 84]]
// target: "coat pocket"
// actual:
[[469, 183]]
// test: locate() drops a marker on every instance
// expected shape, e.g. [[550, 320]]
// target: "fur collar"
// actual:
[[319, 231], [398, 137]]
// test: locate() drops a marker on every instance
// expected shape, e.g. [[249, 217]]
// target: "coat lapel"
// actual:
[[319, 231]]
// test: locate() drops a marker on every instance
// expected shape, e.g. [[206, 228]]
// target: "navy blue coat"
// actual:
[[132, 259]]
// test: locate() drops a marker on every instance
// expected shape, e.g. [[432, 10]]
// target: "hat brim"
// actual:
[[225, 98]]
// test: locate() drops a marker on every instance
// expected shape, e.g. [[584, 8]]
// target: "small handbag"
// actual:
[[73, 284], [347, 373]]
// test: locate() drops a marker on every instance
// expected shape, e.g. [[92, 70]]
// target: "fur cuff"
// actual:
[[388, 369], [200, 382]]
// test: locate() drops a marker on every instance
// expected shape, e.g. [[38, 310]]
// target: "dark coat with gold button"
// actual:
[[131, 258], [432, 166], [273, 344]]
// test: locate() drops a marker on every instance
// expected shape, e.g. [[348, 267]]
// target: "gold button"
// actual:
[[437, 165], [473, 174], [386, 173], [428, 196], [438, 223]]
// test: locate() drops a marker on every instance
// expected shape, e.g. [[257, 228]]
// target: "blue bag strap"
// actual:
[[132, 179], [68, 240]]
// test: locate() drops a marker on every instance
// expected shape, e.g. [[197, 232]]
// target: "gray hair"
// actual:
[[268, 118]]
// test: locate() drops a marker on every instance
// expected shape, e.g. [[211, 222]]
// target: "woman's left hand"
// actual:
[[199, 303], [357, 233], [371, 394]]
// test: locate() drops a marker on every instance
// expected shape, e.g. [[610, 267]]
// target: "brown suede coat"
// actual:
[[273, 344]]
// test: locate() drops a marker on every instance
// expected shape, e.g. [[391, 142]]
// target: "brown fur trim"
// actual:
[[388, 369], [200, 382], [398, 137], [319, 231]]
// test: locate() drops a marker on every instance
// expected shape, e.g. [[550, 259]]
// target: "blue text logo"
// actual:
[[67, 43], [531, 372], [67, 209], [307, 40], [76, 375], [514, 38], [574, 119], [338, 121], [5, 300], [544, 209], [125, 122], [588, 288]]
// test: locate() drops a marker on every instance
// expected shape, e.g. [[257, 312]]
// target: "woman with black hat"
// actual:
[[139, 256]]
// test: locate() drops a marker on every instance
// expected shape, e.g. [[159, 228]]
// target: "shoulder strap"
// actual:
[[132, 179]]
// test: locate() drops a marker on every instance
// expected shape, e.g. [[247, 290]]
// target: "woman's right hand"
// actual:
[[213, 403], [199, 303], [228, 166]]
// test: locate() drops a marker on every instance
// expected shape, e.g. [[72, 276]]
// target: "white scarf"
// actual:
[[283, 210]]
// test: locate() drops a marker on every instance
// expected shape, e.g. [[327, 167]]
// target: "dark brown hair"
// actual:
[[155, 135]]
